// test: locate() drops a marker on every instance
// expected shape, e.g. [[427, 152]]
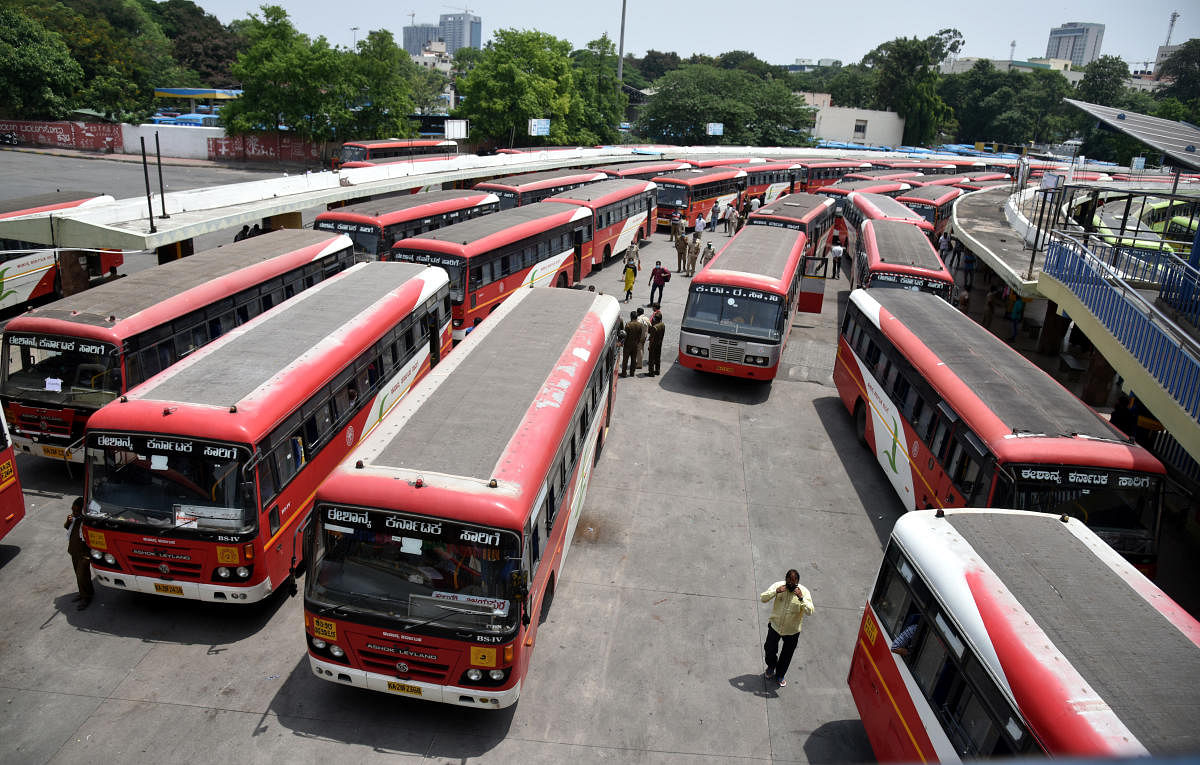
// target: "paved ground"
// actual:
[[707, 491]]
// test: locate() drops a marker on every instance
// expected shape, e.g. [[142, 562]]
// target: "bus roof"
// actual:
[[901, 244], [477, 409], [53, 200], [797, 207], [883, 172], [605, 192], [375, 142], [315, 333], [387, 209], [888, 207], [657, 165], [962, 359], [931, 194], [149, 297], [698, 175], [759, 251], [875, 187], [489, 231], [1136, 649], [534, 181]]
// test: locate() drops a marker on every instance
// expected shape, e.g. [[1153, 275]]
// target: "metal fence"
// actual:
[[1168, 353]]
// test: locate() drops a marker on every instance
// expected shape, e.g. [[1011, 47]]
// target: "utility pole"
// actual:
[[621, 49], [1171, 27]]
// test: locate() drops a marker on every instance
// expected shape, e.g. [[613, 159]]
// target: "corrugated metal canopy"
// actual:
[[1178, 140]]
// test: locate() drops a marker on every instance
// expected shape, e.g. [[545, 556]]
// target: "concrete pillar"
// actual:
[[1097, 385], [175, 251], [1054, 329], [283, 220], [72, 271]]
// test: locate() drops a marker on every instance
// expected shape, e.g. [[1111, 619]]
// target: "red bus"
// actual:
[[695, 192], [740, 306], [957, 418], [489, 258], [721, 161], [12, 501], [771, 180], [815, 174], [842, 190], [643, 171], [885, 174], [1023, 635], [198, 480], [387, 150], [436, 547], [65, 360], [31, 270], [897, 254], [934, 203], [969, 186], [518, 190], [813, 215], [927, 167], [376, 225], [951, 180], [862, 207], [622, 212]]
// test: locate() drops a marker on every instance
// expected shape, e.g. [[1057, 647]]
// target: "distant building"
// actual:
[[434, 57], [461, 30], [417, 36], [1062, 66], [865, 126], [1076, 41], [819, 100], [1164, 53]]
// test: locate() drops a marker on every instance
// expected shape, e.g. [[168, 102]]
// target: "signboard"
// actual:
[[714, 128], [1138, 164], [539, 127], [456, 129]]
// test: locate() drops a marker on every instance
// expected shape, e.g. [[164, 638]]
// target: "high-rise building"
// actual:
[[1075, 41], [461, 30], [418, 35]]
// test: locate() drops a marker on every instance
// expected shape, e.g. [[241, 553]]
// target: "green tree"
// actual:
[[632, 73], [907, 81], [656, 63], [854, 86], [1103, 81], [200, 42], [748, 62], [382, 78], [520, 75], [753, 112], [428, 87], [37, 74], [1182, 70], [602, 102]]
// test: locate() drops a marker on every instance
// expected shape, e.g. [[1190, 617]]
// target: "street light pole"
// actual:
[[354, 44], [621, 50]]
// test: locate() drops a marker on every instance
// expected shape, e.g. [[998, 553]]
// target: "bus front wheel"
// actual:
[[860, 423], [562, 281]]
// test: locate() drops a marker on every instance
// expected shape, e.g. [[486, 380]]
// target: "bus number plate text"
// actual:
[[168, 589], [411, 690], [53, 452]]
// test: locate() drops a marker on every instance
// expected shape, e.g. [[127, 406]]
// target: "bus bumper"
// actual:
[[26, 445], [212, 593], [479, 698]]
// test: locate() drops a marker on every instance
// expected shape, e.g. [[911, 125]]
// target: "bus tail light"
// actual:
[[248, 551], [508, 653]]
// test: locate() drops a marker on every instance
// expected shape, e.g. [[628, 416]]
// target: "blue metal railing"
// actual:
[[1166, 351]]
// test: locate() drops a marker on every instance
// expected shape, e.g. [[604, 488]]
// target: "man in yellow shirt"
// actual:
[[792, 602]]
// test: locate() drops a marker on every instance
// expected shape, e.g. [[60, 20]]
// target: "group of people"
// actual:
[[642, 331], [250, 231], [688, 252]]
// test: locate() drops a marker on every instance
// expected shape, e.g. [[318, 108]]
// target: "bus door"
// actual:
[[812, 283], [577, 256], [435, 338]]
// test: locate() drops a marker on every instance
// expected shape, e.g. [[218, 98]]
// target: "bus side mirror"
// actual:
[[520, 585]]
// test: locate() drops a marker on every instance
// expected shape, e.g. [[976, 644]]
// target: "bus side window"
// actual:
[[939, 439], [890, 598]]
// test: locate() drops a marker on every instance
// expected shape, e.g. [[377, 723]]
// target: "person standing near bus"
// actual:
[[707, 255], [792, 601], [693, 255], [732, 220], [968, 267], [658, 278], [644, 320], [630, 277], [676, 225], [1015, 316], [658, 331], [699, 224], [836, 252], [633, 336], [681, 248], [81, 560]]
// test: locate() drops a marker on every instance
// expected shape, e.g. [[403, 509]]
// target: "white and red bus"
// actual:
[[953, 180], [518, 190], [823, 172], [489, 258], [1023, 635], [12, 501], [721, 161], [740, 306], [65, 360], [957, 418], [842, 190], [695, 192], [771, 180], [30, 271], [927, 167], [436, 547], [898, 255], [862, 206], [885, 174], [643, 171], [198, 480], [623, 212], [374, 226], [934, 203], [384, 151]]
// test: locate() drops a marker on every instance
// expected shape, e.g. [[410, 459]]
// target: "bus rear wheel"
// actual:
[[860, 423], [562, 281]]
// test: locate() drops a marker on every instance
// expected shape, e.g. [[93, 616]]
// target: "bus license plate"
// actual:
[[411, 690], [54, 451], [723, 368], [168, 589]]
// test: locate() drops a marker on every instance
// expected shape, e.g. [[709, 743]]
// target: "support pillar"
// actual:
[[175, 251], [1097, 385], [1054, 329]]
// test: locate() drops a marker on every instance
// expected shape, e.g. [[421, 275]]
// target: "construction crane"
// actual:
[[1012, 51], [459, 8], [1171, 27], [412, 18]]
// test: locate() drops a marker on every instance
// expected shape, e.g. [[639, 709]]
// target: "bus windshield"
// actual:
[[1120, 507], [928, 212], [454, 266], [508, 199], [672, 195], [415, 569], [60, 370], [170, 482], [366, 238], [885, 280], [735, 311], [352, 154]]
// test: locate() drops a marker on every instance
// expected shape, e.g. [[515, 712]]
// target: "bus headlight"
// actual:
[[243, 572], [318, 643], [474, 675], [335, 651], [223, 572], [694, 351], [97, 555], [496, 674], [109, 559]]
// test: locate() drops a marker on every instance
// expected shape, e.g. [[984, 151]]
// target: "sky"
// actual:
[[778, 32]]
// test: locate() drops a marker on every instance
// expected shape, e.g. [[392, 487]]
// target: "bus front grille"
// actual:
[[384, 663], [721, 349]]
